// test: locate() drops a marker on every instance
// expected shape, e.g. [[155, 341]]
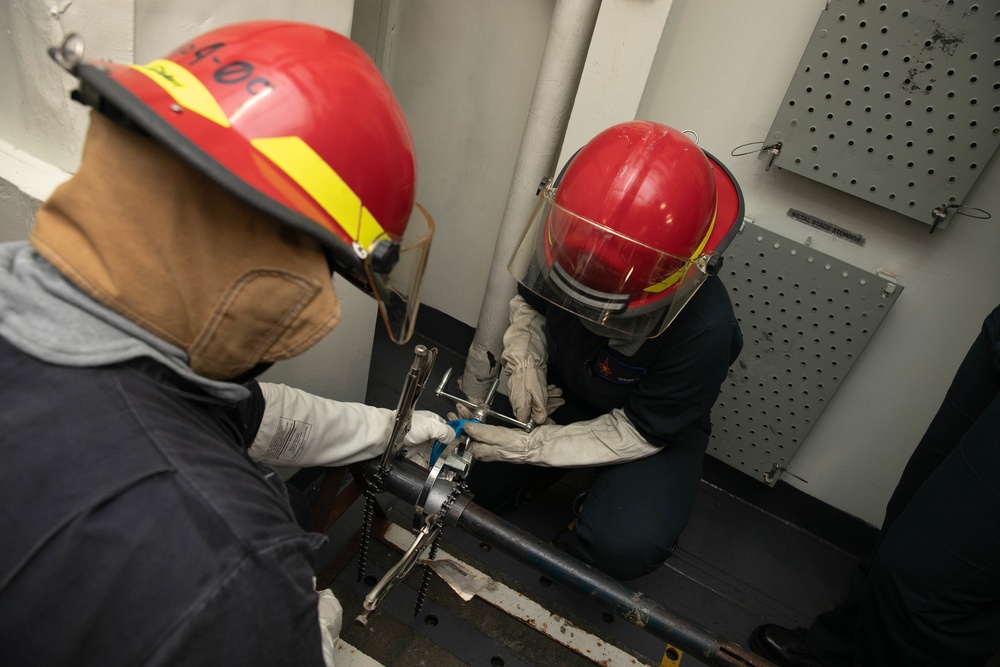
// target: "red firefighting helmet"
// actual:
[[630, 229], [297, 121]]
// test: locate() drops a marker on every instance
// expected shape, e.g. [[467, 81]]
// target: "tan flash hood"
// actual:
[[150, 237]]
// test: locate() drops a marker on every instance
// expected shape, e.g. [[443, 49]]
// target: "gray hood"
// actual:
[[47, 317]]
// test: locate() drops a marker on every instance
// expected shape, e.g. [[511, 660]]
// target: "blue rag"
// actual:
[[457, 425]]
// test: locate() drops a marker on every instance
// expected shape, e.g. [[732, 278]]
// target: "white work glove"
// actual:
[[525, 361], [610, 438], [300, 429], [331, 620], [522, 385]]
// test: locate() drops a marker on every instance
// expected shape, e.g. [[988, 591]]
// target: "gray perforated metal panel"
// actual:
[[896, 102], [805, 317]]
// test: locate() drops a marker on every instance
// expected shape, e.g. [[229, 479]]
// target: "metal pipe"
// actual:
[[559, 75], [405, 480]]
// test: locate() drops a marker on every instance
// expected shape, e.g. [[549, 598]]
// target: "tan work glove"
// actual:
[[610, 438], [525, 360], [300, 429]]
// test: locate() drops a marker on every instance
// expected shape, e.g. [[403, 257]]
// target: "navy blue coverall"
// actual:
[[634, 511]]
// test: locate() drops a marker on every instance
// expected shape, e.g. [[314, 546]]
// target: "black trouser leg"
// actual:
[[975, 386]]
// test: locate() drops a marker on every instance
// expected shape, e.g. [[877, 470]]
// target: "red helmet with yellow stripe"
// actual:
[[296, 120], [636, 221]]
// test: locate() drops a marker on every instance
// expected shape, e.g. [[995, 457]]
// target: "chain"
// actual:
[[425, 579], [373, 487]]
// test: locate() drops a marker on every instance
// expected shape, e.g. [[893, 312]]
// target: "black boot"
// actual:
[[782, 646]]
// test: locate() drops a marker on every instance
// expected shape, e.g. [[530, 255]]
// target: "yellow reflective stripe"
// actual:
[[708, 234], [669, 282], [315, 176], [185, 88], [676, 275], [369, 230]]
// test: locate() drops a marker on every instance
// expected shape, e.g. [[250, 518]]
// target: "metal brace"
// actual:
[[444, 483], [428, 533], [416, 378]]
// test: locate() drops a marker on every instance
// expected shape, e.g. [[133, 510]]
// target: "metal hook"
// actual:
[[697, 139], [70, 54]]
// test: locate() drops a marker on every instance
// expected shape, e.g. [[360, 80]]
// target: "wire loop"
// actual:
[[941, 211], [769, 147]]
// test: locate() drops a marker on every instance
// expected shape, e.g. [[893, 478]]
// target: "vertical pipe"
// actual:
[[559, 75]]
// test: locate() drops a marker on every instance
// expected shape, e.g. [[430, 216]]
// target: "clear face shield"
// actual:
[[398, 291], [602, 275]]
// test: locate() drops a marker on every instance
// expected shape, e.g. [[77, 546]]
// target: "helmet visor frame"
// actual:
[[397, 291], [601, 274]]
